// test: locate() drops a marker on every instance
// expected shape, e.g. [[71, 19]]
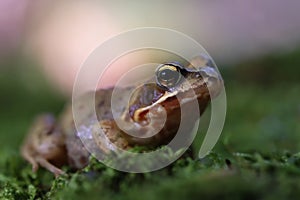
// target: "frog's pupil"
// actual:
[[168, 75]]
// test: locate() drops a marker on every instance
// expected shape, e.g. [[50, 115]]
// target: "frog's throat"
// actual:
[[138, 113]]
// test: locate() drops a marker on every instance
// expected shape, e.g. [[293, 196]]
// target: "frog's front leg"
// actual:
[[45, 145]]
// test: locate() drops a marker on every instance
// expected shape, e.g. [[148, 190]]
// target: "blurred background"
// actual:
[[58, 37], [256, 45]]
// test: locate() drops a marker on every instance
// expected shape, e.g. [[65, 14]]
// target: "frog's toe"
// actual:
[[30, 158], [35, 167], [49, 166]]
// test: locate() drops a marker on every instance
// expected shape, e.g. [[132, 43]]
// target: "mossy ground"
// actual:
[[256, 157]]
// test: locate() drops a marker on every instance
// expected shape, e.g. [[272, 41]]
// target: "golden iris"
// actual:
[[168, 76]]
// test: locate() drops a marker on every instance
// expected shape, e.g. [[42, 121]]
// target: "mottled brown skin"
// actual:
[[51, 143]]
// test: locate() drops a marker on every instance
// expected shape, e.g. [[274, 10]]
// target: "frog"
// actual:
[[52, 143]]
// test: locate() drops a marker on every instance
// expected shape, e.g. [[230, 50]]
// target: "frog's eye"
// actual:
[[168, 76]]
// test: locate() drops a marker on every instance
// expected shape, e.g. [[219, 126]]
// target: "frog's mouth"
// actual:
[[143, 99], [140, 114], [150, 96]]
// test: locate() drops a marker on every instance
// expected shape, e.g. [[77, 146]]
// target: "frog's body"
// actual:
[[53, 143]]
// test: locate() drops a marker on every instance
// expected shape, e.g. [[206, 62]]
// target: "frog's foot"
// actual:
[[37, 160], [26, 155], [44, 145], [47, 165]]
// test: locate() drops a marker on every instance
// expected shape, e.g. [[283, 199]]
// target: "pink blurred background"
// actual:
[[60, 35]]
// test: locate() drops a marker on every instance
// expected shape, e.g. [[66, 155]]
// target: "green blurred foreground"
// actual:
[[256, 157]]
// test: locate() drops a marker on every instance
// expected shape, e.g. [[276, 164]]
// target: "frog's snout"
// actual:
[[209, 72], [212, 79]]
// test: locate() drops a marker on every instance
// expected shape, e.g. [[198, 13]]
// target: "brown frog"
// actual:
[[52, 143]]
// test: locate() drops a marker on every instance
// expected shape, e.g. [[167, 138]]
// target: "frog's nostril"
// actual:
[[212, 79], [209, 72]]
